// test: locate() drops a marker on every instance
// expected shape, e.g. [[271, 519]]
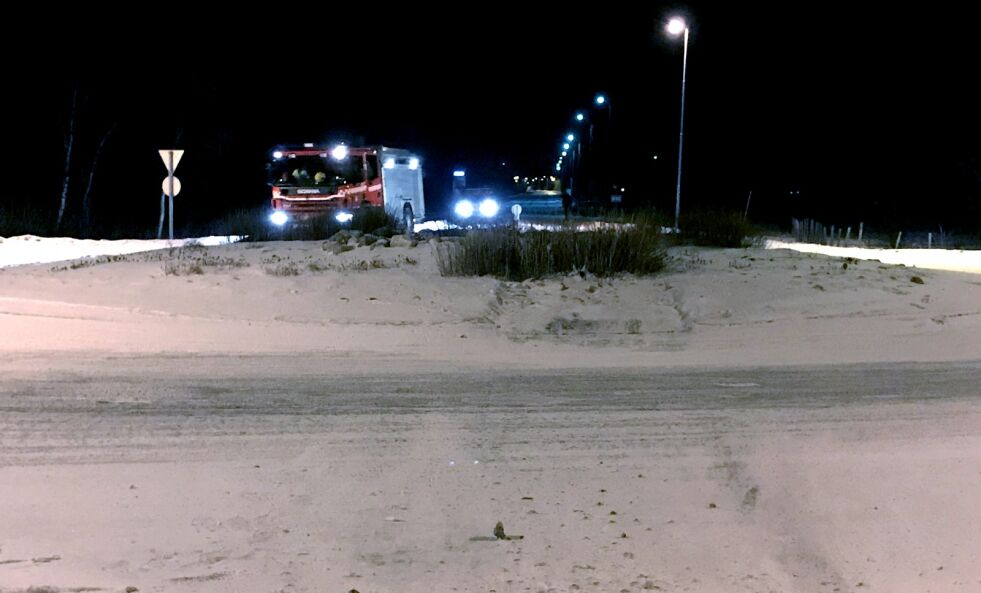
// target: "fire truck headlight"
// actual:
[[488, 208], [389, 163], [279, 218], [339, 152], [278, 155], [464, 208], [413, 163], [343, 217]]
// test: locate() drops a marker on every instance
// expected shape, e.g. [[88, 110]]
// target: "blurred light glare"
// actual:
[[676, 26]]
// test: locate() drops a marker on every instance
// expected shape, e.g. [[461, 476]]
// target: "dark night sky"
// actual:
[[870, 113]]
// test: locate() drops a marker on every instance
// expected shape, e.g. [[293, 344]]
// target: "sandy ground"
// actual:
[[275, 417]]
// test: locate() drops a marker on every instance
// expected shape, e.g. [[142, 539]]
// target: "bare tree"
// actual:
[[163, 212], [86, 205], [69, 145], [971, 165]]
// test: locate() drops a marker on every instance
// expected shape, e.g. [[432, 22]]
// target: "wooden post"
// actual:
[[861, 226], [898, 238]]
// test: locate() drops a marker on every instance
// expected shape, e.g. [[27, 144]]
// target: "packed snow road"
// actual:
[[258, 473]]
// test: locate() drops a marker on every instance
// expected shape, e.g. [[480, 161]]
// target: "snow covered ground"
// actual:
[[931, 259], [288, 416], [29, 249]]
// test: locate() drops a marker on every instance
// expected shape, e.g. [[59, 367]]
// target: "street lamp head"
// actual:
[[676, 26], [570, 137], [580, 116], [565, 146], [600, 99]]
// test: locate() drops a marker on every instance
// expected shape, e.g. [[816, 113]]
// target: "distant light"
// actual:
[[339, 152], [503, 164], [488, 208], [464, 208], [565, 146], [278, 218], [389, 163], [516, 178], [564, 153], [459, 173], [676, 26], [655, 157], [600, 99], [580, 117], [308, 145], [623, 189], [551, 177], [343, 217], [413, 163], [558, 167], [570, 137], [433, 225], [278, 154]]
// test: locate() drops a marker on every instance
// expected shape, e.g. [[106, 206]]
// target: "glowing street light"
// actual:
[[600, 99], [580, 116], [676, 26]]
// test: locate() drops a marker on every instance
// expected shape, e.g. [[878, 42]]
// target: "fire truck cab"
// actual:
[[312, 181]]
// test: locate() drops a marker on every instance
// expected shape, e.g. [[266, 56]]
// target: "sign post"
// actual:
[[171, 184]]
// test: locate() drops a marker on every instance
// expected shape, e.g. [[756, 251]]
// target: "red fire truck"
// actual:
[[311, 181]]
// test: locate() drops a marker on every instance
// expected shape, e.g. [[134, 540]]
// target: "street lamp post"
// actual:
[[677, 26], [570, 145], [601, 160], [602, 101]]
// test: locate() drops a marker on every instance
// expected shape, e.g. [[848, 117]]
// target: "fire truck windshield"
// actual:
[[313, 171]]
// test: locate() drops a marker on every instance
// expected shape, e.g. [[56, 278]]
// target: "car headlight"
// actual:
[[279, 218], [464, 208], [343, 217], [488, 208]]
